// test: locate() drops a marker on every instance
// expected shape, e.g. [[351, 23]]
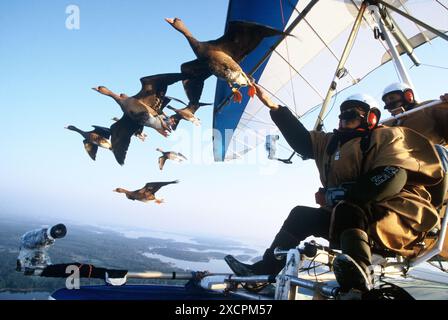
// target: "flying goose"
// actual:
[[142, 109], [94, 139], [222, 56], [147, 193], [170, 155], [187, 113]]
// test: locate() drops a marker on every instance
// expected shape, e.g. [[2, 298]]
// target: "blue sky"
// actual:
[[47, 73]]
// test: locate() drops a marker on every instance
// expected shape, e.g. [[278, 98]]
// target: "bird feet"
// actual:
[[165, 123], [237, 96], [159, 201], [163, 132], [252, 91], [142, 136]]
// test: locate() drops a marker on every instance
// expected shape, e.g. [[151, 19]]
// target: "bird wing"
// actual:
[[196, 72], [191, 108], [175, 119], [153, 187], [159, 82], [154, 88], [175, 99], [121, 132], [182, 156], [91, 149], [242, 37], [102, 131], [165, 102], [162, 160]]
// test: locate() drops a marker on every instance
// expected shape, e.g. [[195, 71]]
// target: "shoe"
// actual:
[[245, 270], [239, 268], [350, 275]]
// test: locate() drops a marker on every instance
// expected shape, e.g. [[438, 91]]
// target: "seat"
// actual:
[[435, 243], [439, 200], [438, 192]]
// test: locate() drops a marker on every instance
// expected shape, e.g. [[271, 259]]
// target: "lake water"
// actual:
[[213, 265]]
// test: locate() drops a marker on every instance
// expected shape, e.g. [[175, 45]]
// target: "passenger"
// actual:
[[431, 122], [373, 180]]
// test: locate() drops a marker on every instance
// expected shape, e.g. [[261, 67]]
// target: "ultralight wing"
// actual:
[[300, 70]]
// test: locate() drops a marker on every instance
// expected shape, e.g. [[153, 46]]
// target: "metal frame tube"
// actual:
[[399, 36], [342, 61], [250, 296], [157, 275], [284, 289], [406, 113], [404, 75], [415, 20], [251, 279], [435, 251], [323, 289]]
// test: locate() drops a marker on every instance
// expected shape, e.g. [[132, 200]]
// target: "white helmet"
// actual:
[[359, 100], [396, 87], [372, 114], [406, 92]]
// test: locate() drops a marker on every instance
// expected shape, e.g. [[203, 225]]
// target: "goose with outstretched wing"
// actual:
[[142, 109], [222, 56], [147, 193], [169, 155], [99, 137]]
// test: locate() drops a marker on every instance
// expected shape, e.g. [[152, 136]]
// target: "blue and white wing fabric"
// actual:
[[300, 69]]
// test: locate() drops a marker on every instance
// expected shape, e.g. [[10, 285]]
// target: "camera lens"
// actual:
[[58, 231]]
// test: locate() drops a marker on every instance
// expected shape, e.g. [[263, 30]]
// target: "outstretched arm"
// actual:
[[297, 136]]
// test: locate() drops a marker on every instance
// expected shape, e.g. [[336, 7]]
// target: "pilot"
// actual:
[[374, 181]]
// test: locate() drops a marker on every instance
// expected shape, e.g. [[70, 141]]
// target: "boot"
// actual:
[[351, 268], [269, 265]]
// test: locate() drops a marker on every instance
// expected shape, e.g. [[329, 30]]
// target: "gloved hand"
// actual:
[[444, 97], [329, 197]]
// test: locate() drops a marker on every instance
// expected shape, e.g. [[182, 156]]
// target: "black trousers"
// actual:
[[303, 222]]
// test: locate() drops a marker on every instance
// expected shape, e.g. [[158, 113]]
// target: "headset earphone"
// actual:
[[408, 95], [372, 118]]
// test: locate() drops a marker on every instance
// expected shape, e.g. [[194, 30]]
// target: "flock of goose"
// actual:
[[220, 57]]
